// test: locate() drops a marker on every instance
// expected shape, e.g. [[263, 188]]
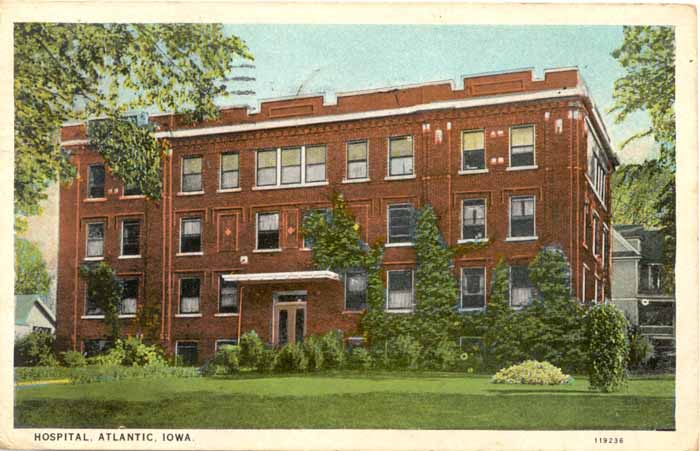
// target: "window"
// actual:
[[229, 170], [291, 165], [400, 223], [401, 156], [595, 290], [473, 219], [95, 347], [224, 342], [130, 237], [357, 160], [189, 295], [96, 181], [650, 277], [595, 240], [295, 165], [268, 231], [584, 275], [95, 240], [520, 288], [266, 167], [597, 167], [587, 228], [187, 352], [132, 189], [130, 295], [324, 211], [522, 216], [228, 296], [656, 313], [604, 245], [191, 174], [473, 155], [522, 146], [191, 235], [92, 305], [355, 290], [473, 288], [400, 290], [315, 164]]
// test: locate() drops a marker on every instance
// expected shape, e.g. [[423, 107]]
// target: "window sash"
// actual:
[[473, 288], [473, 140], [473, 159], [520, 287], [191, 174], [291, 165], [189, 295], [266, 167], [401, 166], [191, 183], [95, 239], [522, 217], [268, 231], [400, 224], [129, 296], [228, 297], [191, 235], [96, 181], [229, 170], [400, 288], [130, 237], [355, 290]]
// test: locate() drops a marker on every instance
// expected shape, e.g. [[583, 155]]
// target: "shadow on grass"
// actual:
[[380, 410]]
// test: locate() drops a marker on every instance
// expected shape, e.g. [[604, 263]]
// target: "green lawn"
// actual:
[[346, 400]]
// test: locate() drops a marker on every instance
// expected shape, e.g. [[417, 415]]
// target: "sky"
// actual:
[[311, 59]]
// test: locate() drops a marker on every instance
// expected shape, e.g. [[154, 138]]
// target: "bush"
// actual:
[[41, 373], [90, 374], [35, 349], [333, 350], [225, 362], [267, 361], [73, 359], [251, 349], [641, 350], [443, 357], [313, 350], [404, 352], [606, 337], [360, 359], [291, 358], [532, 372], [130, 352]]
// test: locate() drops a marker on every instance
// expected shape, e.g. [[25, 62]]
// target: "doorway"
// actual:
[[288, 317]]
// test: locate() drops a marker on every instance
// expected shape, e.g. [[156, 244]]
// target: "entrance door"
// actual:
[[289, 320]]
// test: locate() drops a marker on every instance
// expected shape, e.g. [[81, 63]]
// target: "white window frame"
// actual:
[[238, 298], [486, 223], [413, 292], [121, 239], [349, 179], [583, 283], [534, 218], [182, 314], [389, 175], [597, 186], [510, 289], [87, 240], [182, 174], [221, 172], [462, 170], [595, 221], [461, 290], [510, 148], [388, 226], [257, 226], [201, 236], [136, 299], [278, 165], [104, 182]]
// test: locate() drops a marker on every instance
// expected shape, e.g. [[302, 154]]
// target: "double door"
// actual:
[[289, 319]]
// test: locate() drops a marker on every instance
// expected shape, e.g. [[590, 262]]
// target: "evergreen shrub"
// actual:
[[333, 350], [360, 359], [251, 349], [606, 336], [225, 362], [404, 353], [35, 349], [291, 358], [130, 352], [641, 349], [267, 361], [313, 350], [73, 359]]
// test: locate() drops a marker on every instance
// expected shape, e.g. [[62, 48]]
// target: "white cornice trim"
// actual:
[[449, 104]]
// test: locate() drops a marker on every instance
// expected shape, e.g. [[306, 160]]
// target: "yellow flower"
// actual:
[[356, 226]]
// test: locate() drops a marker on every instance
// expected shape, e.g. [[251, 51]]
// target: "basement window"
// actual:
[[187, 353]]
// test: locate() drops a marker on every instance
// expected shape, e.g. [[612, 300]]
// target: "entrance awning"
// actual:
[[281, 276]]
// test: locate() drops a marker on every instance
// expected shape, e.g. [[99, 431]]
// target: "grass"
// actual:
[[346, 400]]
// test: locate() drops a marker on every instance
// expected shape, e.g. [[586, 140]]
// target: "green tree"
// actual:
[[31, 276], [65, 72], [436, 289], [636, 191], [647, 55], [105, 288]]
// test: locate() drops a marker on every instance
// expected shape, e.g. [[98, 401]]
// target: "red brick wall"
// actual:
[[558, 184]]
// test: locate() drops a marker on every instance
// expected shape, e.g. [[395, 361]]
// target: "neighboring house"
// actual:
[[510, 160], [638, 283], [32, 315]]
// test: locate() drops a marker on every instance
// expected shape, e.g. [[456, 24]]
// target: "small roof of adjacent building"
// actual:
[[24, 303], [651, 242]]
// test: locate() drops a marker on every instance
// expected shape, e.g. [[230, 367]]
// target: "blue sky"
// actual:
[[336, 58]]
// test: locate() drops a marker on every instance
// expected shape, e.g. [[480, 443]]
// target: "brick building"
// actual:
[[508, 159]]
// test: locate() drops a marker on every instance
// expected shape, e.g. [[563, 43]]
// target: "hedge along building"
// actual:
[[507, 159]]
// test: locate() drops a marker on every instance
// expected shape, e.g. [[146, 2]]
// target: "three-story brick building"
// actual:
[[507, 159]]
